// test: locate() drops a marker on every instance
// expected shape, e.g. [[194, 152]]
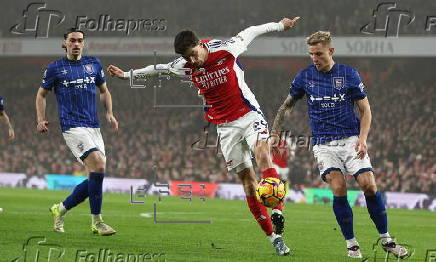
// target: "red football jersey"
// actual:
[[221, 82]]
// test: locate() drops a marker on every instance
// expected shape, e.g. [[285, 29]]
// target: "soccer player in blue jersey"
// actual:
[[339, 137], [5, 119], [75, 79]]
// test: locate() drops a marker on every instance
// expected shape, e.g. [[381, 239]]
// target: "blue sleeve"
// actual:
[[297, 87], [2, 107], [100, 79], [49, 78], [356, 86]]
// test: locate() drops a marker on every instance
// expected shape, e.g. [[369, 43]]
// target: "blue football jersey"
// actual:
[[75, 85], [2, 106], [330, 99]]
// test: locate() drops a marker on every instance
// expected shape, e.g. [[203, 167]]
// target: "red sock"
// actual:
[[270, 172], [279, 206], [260, 214]]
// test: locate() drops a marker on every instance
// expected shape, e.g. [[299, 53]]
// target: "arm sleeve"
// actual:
[[48, 78], [173, 68], [2, 106], [100, 78], [296, 90], [356, 86], [239, 43]]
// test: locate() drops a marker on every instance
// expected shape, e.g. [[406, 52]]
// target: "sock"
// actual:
[[344, 215], [377, 212], [95, 191], [278, 208], [62, 209], [260, 214], [79, 194], [385, 238], [273, 237], [352, 242], [270, 172], [96, 218]]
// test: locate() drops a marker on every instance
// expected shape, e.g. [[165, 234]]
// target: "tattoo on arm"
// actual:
[[287, 105]]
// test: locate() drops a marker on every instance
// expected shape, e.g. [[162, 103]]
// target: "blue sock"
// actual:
[[80, 193], [344, 216], [95, 191], [377, 212]]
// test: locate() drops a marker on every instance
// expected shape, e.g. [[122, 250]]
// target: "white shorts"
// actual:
[[239, 137], [340, 155], [84, 140]]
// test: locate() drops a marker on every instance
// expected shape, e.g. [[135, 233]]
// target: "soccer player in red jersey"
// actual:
[[215, 70]]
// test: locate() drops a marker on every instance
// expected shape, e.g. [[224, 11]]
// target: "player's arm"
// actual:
[[42, 123], [277, 128], [287, 106], [5, 119], [106, 99], [238, 44], [365, 124], [173, 68]]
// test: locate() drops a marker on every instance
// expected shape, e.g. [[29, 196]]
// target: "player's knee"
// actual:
[[339, 187], [97, 165], [369, 189], [261, 153]]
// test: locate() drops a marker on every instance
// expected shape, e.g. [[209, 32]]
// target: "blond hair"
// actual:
[[323, 37]]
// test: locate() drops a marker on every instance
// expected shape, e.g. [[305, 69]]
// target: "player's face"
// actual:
[[74, 43], [197, 55], [322, 56]]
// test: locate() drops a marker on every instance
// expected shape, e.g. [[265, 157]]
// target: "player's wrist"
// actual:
[[126, 75]]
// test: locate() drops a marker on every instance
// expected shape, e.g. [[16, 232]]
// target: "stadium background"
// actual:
[[400, 91]]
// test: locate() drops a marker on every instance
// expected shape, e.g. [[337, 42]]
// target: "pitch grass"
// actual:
[[233, 235]]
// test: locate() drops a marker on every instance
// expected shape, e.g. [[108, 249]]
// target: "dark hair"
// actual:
[[184, 40], [73, 30], [69, 31]]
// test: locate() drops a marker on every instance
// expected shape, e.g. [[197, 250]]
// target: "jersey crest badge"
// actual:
[[338, 82], [89, 69]]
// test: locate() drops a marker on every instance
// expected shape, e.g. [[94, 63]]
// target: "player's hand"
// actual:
[[289, 23], [115, 71], [42, 126], [113, 121], [274, 141], [361, 148], [11, 134]]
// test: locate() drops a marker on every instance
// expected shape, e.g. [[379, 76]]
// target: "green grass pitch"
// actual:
[[311, 231]]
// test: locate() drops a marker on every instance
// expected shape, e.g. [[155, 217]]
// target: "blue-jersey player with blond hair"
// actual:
[[339, 138]]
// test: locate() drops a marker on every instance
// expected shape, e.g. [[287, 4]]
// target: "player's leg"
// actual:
[[259, 211], [331, 171], [256, 134], [343, 211], [237, 155], [95, 162], [377, 211], [78, 140]]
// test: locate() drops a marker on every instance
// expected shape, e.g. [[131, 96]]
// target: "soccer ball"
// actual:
[[270, 191]]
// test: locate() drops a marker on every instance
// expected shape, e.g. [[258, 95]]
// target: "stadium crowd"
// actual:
[[170, 142]]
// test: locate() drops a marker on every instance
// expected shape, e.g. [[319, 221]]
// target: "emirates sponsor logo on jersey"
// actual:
[[214, 78]]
